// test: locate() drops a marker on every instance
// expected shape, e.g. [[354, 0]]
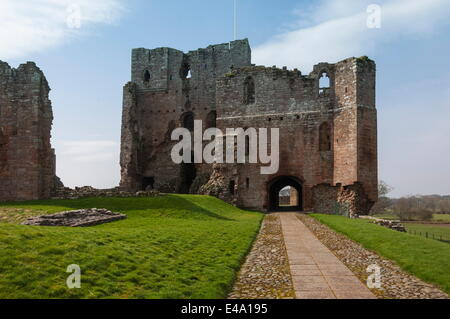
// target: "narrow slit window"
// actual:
[[249, 91], [211, 120], [146, 76], [188, 121], [325, 137], [231, 187]]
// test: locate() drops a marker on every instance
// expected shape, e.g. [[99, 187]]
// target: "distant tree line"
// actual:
[[417, 207]]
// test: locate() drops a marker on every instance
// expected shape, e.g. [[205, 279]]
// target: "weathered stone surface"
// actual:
[[88, 191], [265, 273], [350, 201], [328, 136], [76, 218], [27, 160]]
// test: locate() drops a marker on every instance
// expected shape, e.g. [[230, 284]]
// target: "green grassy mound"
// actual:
[[174, 246], [427, 259]]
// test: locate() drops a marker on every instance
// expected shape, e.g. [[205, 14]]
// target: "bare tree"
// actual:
[[413, 208], [384, 202]]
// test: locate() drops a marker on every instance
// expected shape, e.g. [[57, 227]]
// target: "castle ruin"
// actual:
[[327, 121], [27, 160]]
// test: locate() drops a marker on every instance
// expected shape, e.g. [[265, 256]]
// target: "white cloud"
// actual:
[[93, 163], [338, 29], [35, 25], [88, 151]]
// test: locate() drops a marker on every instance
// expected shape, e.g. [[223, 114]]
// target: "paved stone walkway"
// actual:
[[316, 272]]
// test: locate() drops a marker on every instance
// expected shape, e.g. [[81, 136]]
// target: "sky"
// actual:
[[87, 62]]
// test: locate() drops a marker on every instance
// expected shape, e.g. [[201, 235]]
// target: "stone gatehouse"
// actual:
[[327, 121]]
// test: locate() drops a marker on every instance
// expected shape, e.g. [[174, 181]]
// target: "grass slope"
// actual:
[[174, 246], [425, 258]]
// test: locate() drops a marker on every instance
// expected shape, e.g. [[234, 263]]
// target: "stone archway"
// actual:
[[279, 183]]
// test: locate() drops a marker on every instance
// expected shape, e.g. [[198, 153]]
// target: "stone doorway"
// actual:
[[188, 173], [285, 194], [148, 183]]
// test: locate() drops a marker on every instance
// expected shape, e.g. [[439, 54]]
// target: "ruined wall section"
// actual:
[[291, 102], [130, 140], [27, 161], [355, 143], [300, 108], [350, 200], [345, 124], [367, 127]]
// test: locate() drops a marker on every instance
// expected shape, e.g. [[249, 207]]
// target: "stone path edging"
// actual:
[[316, 272], [395, 283], [265, 273]]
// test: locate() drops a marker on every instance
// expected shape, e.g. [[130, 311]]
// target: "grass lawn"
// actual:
[[436, 230], [173, 246], [425, 258]]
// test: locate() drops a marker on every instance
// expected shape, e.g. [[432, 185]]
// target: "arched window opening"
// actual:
[[247, 145], [211, 120], [249, 91], [185, 71], [324, 83], [146, 76], [188, 121], [324, 138]]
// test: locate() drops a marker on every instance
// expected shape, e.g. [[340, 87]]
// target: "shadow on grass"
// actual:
[[127, 204]]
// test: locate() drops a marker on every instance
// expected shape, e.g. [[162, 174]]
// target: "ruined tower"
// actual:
[[27, 161], [327, 121], [170, 89]]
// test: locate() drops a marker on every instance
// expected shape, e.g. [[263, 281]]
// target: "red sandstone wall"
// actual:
[[161, 102], [367, 128], [27, 167]]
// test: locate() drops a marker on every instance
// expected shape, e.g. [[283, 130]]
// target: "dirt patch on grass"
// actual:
[[265, 273], [17, 215]]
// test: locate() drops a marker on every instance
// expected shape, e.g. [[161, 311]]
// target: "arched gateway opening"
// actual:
[[285, 194]]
